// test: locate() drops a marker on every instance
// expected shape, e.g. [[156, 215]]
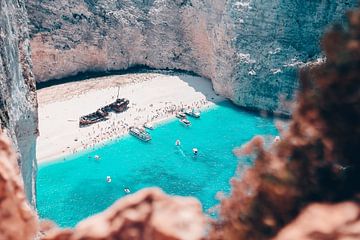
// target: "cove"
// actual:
[[75, 187]]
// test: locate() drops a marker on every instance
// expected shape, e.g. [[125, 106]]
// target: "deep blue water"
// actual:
[[72, 189]]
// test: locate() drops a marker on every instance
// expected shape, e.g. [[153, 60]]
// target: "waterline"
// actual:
[[76, 188]]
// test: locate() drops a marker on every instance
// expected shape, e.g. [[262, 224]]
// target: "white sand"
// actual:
[[149, 93]]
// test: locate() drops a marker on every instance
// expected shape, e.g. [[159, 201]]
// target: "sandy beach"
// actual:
[[153, 98]]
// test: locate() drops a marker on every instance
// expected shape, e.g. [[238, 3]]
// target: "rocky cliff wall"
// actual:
[[273, 39], [18, 105], [250, 49]]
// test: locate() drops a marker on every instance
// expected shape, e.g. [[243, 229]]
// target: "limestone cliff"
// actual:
[[316, 160], [314, 165], [18, 105], [250, 49], [17, 220]]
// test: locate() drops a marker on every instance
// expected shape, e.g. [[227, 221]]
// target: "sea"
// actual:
[[75, 187]]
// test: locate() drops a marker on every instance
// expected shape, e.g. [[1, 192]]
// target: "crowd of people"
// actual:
[[118, 124]]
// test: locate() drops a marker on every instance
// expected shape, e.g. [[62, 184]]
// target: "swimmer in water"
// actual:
[[178, 143], [126, 190], [108, 179]]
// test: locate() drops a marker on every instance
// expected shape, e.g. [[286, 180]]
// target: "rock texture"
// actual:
[[250, 49], [316, 160], [325, 221], [17, 220], [315, 164], [18, 105], [148, 214]]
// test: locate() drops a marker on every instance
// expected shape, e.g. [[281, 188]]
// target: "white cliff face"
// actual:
[[273, 39], [250, 49], [18, 104], [69, 37]]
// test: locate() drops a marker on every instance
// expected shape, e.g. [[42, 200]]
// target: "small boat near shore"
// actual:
[[180, 115], [185, 122], [140, 133], [193, 113], [148, 126]]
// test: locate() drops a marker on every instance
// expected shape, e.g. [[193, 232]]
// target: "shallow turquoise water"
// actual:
[[71, 190]]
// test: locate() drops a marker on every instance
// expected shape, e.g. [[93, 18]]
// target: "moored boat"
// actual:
[[193, 113], [148, 126], [185, 122], [140, 133], [180, 115]]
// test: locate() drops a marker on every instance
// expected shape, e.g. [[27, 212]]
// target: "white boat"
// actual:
[[193, 113], [140, 134], [148, 126], [180, 115], [185, 122], [108, 179]]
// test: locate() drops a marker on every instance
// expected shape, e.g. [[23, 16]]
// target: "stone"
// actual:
[[18, 103], [249, 49], [147, 214], [17, 219], [325, 221]]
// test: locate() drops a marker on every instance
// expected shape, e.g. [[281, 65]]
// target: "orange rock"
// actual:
[[147, 214], [325, 221], [17, 220]]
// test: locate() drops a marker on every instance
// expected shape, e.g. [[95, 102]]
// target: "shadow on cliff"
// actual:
[[94, 74], [204, 86]]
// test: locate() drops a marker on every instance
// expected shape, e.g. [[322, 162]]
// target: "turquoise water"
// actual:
[[71, 190]]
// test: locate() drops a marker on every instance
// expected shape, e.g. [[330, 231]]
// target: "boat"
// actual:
[[185, 122], [180, 115], [92, 118], [148, 126], [120, 105], [193, 113], [108, 179], [140, 133]]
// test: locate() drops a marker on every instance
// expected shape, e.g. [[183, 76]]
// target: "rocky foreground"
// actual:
[[307, 187], [18, 104]]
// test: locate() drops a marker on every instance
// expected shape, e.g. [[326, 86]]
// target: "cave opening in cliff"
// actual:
[[137, 68]]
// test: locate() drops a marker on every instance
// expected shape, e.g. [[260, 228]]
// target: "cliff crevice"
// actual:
[[18, 110]]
